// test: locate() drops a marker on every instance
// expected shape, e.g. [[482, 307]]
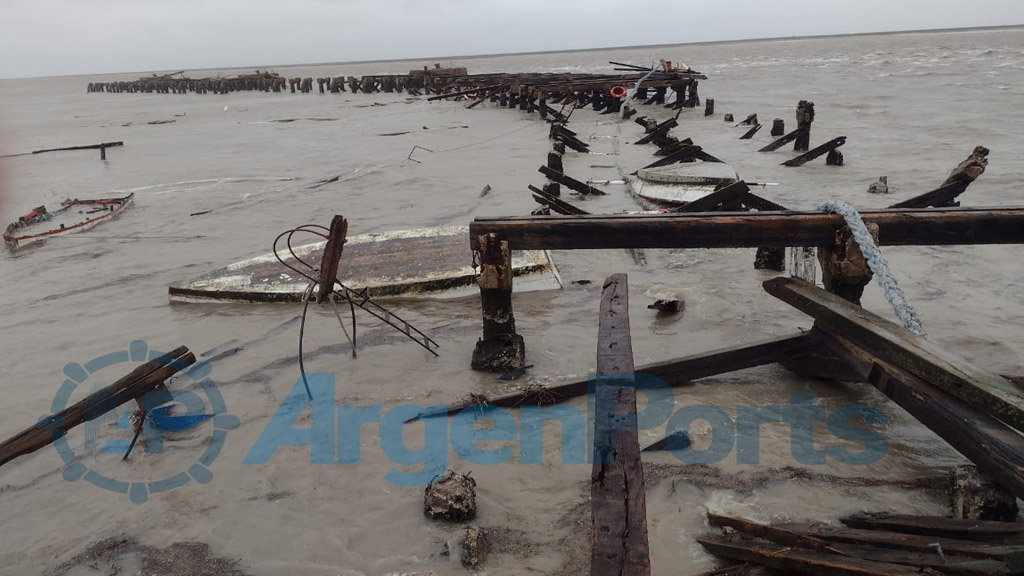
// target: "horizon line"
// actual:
[[559, 51]]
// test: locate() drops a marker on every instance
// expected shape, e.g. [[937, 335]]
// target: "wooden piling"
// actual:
[[804, 119], [709, 107], [778, 127], [500, 349], [844, 269]]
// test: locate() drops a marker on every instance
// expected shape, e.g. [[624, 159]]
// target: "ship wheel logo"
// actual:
[[190, 433]]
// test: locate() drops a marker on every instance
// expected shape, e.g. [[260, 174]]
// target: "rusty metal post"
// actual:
[[331, 259]]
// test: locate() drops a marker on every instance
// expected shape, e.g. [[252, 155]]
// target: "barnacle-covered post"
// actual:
[[500, 349]]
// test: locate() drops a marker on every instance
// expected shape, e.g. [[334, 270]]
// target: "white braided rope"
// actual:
[[631, 93], [904, 311]]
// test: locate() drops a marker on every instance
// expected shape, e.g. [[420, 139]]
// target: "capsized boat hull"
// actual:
[[73, 216], [682, 183], [430, 262]]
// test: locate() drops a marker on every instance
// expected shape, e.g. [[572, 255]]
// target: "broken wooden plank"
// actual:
[[618, 506], [673, 372], [799, 560], [331, 259], [819, 151], [781, 142], [142, 380], [975, 530], [997, 450], [962, 176], [903, 227], [684, 154], [750, 133], [1012, 555], [661, 130], [942, 196], [892, 343], [555, 203], [570, 183], [728, 195], [953, 565]]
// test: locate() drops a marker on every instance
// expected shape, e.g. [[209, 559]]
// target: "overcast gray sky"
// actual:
[[56, 37]]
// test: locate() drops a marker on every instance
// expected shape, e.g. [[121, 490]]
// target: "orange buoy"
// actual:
[[618, 91]]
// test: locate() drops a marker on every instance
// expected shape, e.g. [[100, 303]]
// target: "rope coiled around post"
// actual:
[[873, 254]]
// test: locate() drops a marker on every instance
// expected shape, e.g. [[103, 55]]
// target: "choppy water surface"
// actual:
[[913, 106]]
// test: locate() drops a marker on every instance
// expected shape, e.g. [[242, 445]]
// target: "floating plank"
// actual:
[[570, 183], [819, 151], [144, 379], [903, 227], [977, 530], [892, 343], [618, 505], [782, 557], [674, 372]]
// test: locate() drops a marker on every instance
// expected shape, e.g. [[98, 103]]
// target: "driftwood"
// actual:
[[902, 227], [619, 544], [145, 384]]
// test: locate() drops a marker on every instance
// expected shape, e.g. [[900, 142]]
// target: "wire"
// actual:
[[302, 331]]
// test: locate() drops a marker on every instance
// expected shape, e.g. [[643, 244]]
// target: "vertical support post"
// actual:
[[331, 259], [500, 349], [804, 118], [103, 152], [619, 543], [709, 107], [844, 270], [555, 163], [778, 127]]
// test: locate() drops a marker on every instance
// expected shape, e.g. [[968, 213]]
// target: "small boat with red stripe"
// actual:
[[73, 216]]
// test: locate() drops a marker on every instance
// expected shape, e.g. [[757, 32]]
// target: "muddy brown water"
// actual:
[[912, 105]]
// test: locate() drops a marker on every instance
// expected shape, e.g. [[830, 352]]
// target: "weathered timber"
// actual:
[[755, 202], [962, 176], [464, 92], [570, 183], [101, 147], [726, 196], [819, 151], [685, 153], [750, 120], [739, 570], [500, 349], [618, 506], [331, 259], [997, 450], [798, 560], [709, 107], [674, 147], [804, 119], [555, 203], [889, 342], [771, 533], [844, 270], [778, 127], [1012, 555], [903, 227], [953, 565], [661, 130], [674, 372], [974, 530], [834, 158], [145, 380], [781, 142], [560, 134], [750, 133]]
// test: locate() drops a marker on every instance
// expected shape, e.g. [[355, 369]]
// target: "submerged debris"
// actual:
[[451, 497], [474, 547], [880, 187]]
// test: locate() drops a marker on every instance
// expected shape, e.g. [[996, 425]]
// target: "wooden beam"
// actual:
[[889, 342], [331, 259], [781, 142], [724, 197], [942, 196], [936, 226], [798, 560], [555, 203], [658, 131], [974, 530], [819, 151], [570, 183], [1012, 555], [674, 372], [142, 380], [619, 544]]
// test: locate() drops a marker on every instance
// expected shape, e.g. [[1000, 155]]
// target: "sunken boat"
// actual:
[[74, 215]]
